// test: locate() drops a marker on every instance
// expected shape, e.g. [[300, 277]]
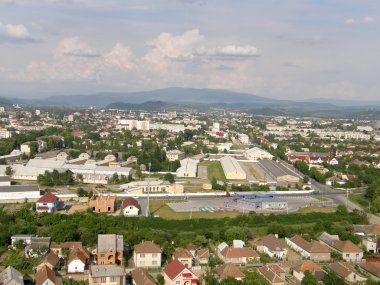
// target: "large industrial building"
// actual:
[[263, 204], [19, 192], [189, 168], [256, 153], [88, 171], [232, 169], [153, 185]]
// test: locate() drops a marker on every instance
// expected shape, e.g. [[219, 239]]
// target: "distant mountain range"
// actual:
[[203, 99]]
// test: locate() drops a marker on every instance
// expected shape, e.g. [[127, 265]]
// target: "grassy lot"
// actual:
[[322, 199], [164, 211], [361, 200], [254, 172], [316, 209], [214, 169], [195, 188]]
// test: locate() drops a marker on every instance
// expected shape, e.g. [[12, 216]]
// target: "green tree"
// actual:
[[341, 210], [169, 177], [309, 279], [375, 207], [8, 171], [331, 278], [160, 279]]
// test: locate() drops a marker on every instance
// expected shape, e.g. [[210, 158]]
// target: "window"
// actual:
[[347, 255], [95, 280], [178, 282], [154, 262], [103, 279], [113, 279], [154, 255], [142, 255]]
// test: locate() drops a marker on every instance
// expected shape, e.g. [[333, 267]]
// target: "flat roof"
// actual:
[[19, 188]]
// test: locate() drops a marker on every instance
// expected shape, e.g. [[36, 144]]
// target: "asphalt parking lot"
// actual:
[[228, 204], [274, 168]]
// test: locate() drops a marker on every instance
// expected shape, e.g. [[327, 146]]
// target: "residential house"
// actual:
[[103, 203], [11, 276], [46, 276], [371, 268], [347, 272], [78, 260], [273, 246], [202, 256], [48, 203], [110, 249], [308, 265], [350, 252], [107, 275], [175, 273], [367, 230], [313, 250], [61, 248], [175, 154], [238, 256], [370, 244], [141, 276], [184, 256], [51, 260], [38, 246], [273, 273], [131, 207], [147, 254], [24, 239], [229, 270]]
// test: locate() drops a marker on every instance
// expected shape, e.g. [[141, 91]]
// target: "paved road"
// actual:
[[338, 198]]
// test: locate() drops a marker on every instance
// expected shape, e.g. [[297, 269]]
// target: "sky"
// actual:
[[294, 49]]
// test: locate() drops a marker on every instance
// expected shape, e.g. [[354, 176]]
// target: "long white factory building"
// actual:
[[232, 169]]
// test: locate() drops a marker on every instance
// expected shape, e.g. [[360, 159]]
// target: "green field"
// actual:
[[214, 170]]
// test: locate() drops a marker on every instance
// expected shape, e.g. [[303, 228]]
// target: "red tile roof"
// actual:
[[48, 198], [130, 202], [174, 268]]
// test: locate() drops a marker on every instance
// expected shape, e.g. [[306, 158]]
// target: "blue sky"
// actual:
[[295, 49]]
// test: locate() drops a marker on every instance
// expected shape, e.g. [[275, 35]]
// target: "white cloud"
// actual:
[[18, 32], [170, 60], [230, 50], [350, 21], [74, 47], [74, 60], [368, 20], [365, 20]]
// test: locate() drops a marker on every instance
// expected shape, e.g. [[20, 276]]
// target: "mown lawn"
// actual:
[[214, 170]]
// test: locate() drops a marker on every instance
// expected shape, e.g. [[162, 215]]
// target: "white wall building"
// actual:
[[257, 154], [232, 169], [189, 168]]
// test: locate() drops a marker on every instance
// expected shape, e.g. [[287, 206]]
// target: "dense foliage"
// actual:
[[86, 226]]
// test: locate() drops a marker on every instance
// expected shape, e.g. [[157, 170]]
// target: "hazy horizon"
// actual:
[[291, 50]]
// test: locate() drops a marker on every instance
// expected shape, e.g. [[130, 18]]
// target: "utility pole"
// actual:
[[147, 196]]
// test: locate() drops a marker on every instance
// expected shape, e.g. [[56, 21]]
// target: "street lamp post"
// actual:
[[147, 196]]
